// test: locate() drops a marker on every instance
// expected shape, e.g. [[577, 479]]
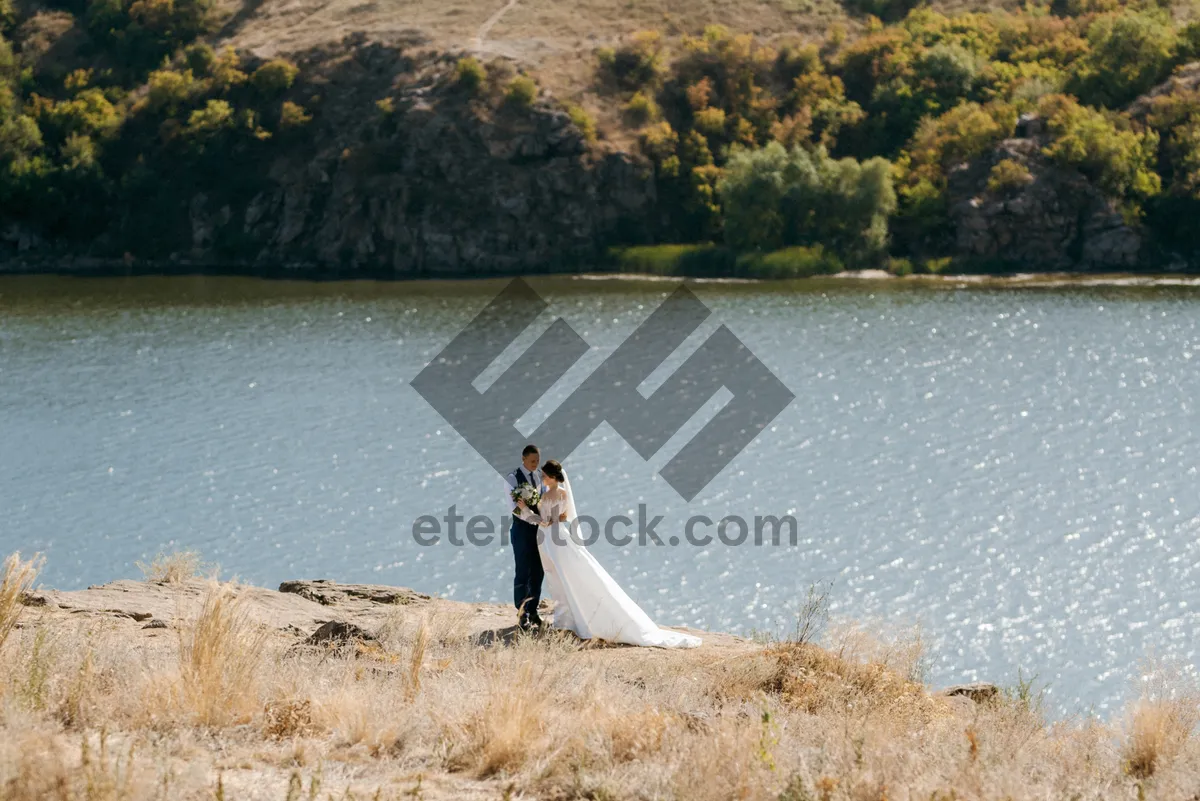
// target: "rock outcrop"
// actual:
[[401, 172], [440, 184], [331, 593], [1057, 220], [303, 613]]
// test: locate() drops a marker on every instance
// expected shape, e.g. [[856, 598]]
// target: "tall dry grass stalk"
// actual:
[[1161, 721], [416, 659], [17, 580], [219, 658]]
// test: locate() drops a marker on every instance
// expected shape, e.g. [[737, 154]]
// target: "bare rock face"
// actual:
[[1056, 221]]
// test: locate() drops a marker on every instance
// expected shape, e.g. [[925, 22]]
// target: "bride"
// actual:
[[587, 600]]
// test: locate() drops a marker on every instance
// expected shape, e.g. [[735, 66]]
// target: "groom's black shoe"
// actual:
[[535, 622], [524, 623]]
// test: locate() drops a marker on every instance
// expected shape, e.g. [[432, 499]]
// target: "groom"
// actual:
[[527, 583]]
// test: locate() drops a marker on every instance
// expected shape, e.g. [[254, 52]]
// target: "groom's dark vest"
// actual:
[[519, 525]]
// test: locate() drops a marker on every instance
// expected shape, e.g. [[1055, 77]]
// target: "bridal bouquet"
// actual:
[[527, 493]]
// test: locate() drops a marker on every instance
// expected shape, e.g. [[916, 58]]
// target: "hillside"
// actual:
[[182, 688], [774, 140]]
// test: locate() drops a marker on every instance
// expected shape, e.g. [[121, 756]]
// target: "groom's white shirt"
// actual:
[[534, 478]]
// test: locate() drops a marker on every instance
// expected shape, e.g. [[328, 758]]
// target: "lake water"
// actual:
[[1013, 469]]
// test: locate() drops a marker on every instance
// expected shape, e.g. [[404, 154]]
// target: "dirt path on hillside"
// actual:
[[477, 42]]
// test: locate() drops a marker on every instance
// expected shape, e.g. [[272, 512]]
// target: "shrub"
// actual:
[[173, 568], [641, 109], [936, 266], [143, 32], [199, 58], [1175, 116], [659, 141], [168, 90], [900, 267], [583, 121], [521, 92], [77, 80], [293, 115], [635, 65], [961, 134], [225, 71], [469, 73], [710, 121], [275, 77], [1008, 175], [699, 94], [19, 136], [88, 112], [78, 154], [694, 260], [821, 99], [793, 262], [215, 117], [889, 10]]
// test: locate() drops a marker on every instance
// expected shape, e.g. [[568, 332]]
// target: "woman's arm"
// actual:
[[546, 515]]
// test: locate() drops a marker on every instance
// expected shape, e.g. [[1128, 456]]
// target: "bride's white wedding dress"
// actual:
[[586, 599]]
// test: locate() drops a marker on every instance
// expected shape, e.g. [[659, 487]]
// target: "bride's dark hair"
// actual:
[[553, 469]]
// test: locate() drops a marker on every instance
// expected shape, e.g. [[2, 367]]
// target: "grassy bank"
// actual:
[[715, 261], [224, 700]]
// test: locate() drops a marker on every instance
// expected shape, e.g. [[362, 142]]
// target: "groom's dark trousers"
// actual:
[[527, 581]]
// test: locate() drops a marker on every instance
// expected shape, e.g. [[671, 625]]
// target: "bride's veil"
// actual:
[[572, 512]]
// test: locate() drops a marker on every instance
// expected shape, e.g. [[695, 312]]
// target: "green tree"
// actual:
[[774, 198], [1129, 53], [1104, 147]]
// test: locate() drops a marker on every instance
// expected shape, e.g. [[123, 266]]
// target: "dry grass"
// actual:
[[96, 708], [17, 580], [1161, 722], [219, 659], [173, 568]]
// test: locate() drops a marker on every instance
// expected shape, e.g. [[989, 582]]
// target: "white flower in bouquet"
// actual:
[[527, 493]]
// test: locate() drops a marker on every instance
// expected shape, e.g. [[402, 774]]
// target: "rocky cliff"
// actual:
[[402, 172], [440, 182], [1054, 219]]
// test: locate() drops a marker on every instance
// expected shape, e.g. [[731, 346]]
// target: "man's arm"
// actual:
[[510, 482]]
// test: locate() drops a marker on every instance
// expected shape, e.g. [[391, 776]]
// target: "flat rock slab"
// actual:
[[330, 593], [141, 601], [299, 609]]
